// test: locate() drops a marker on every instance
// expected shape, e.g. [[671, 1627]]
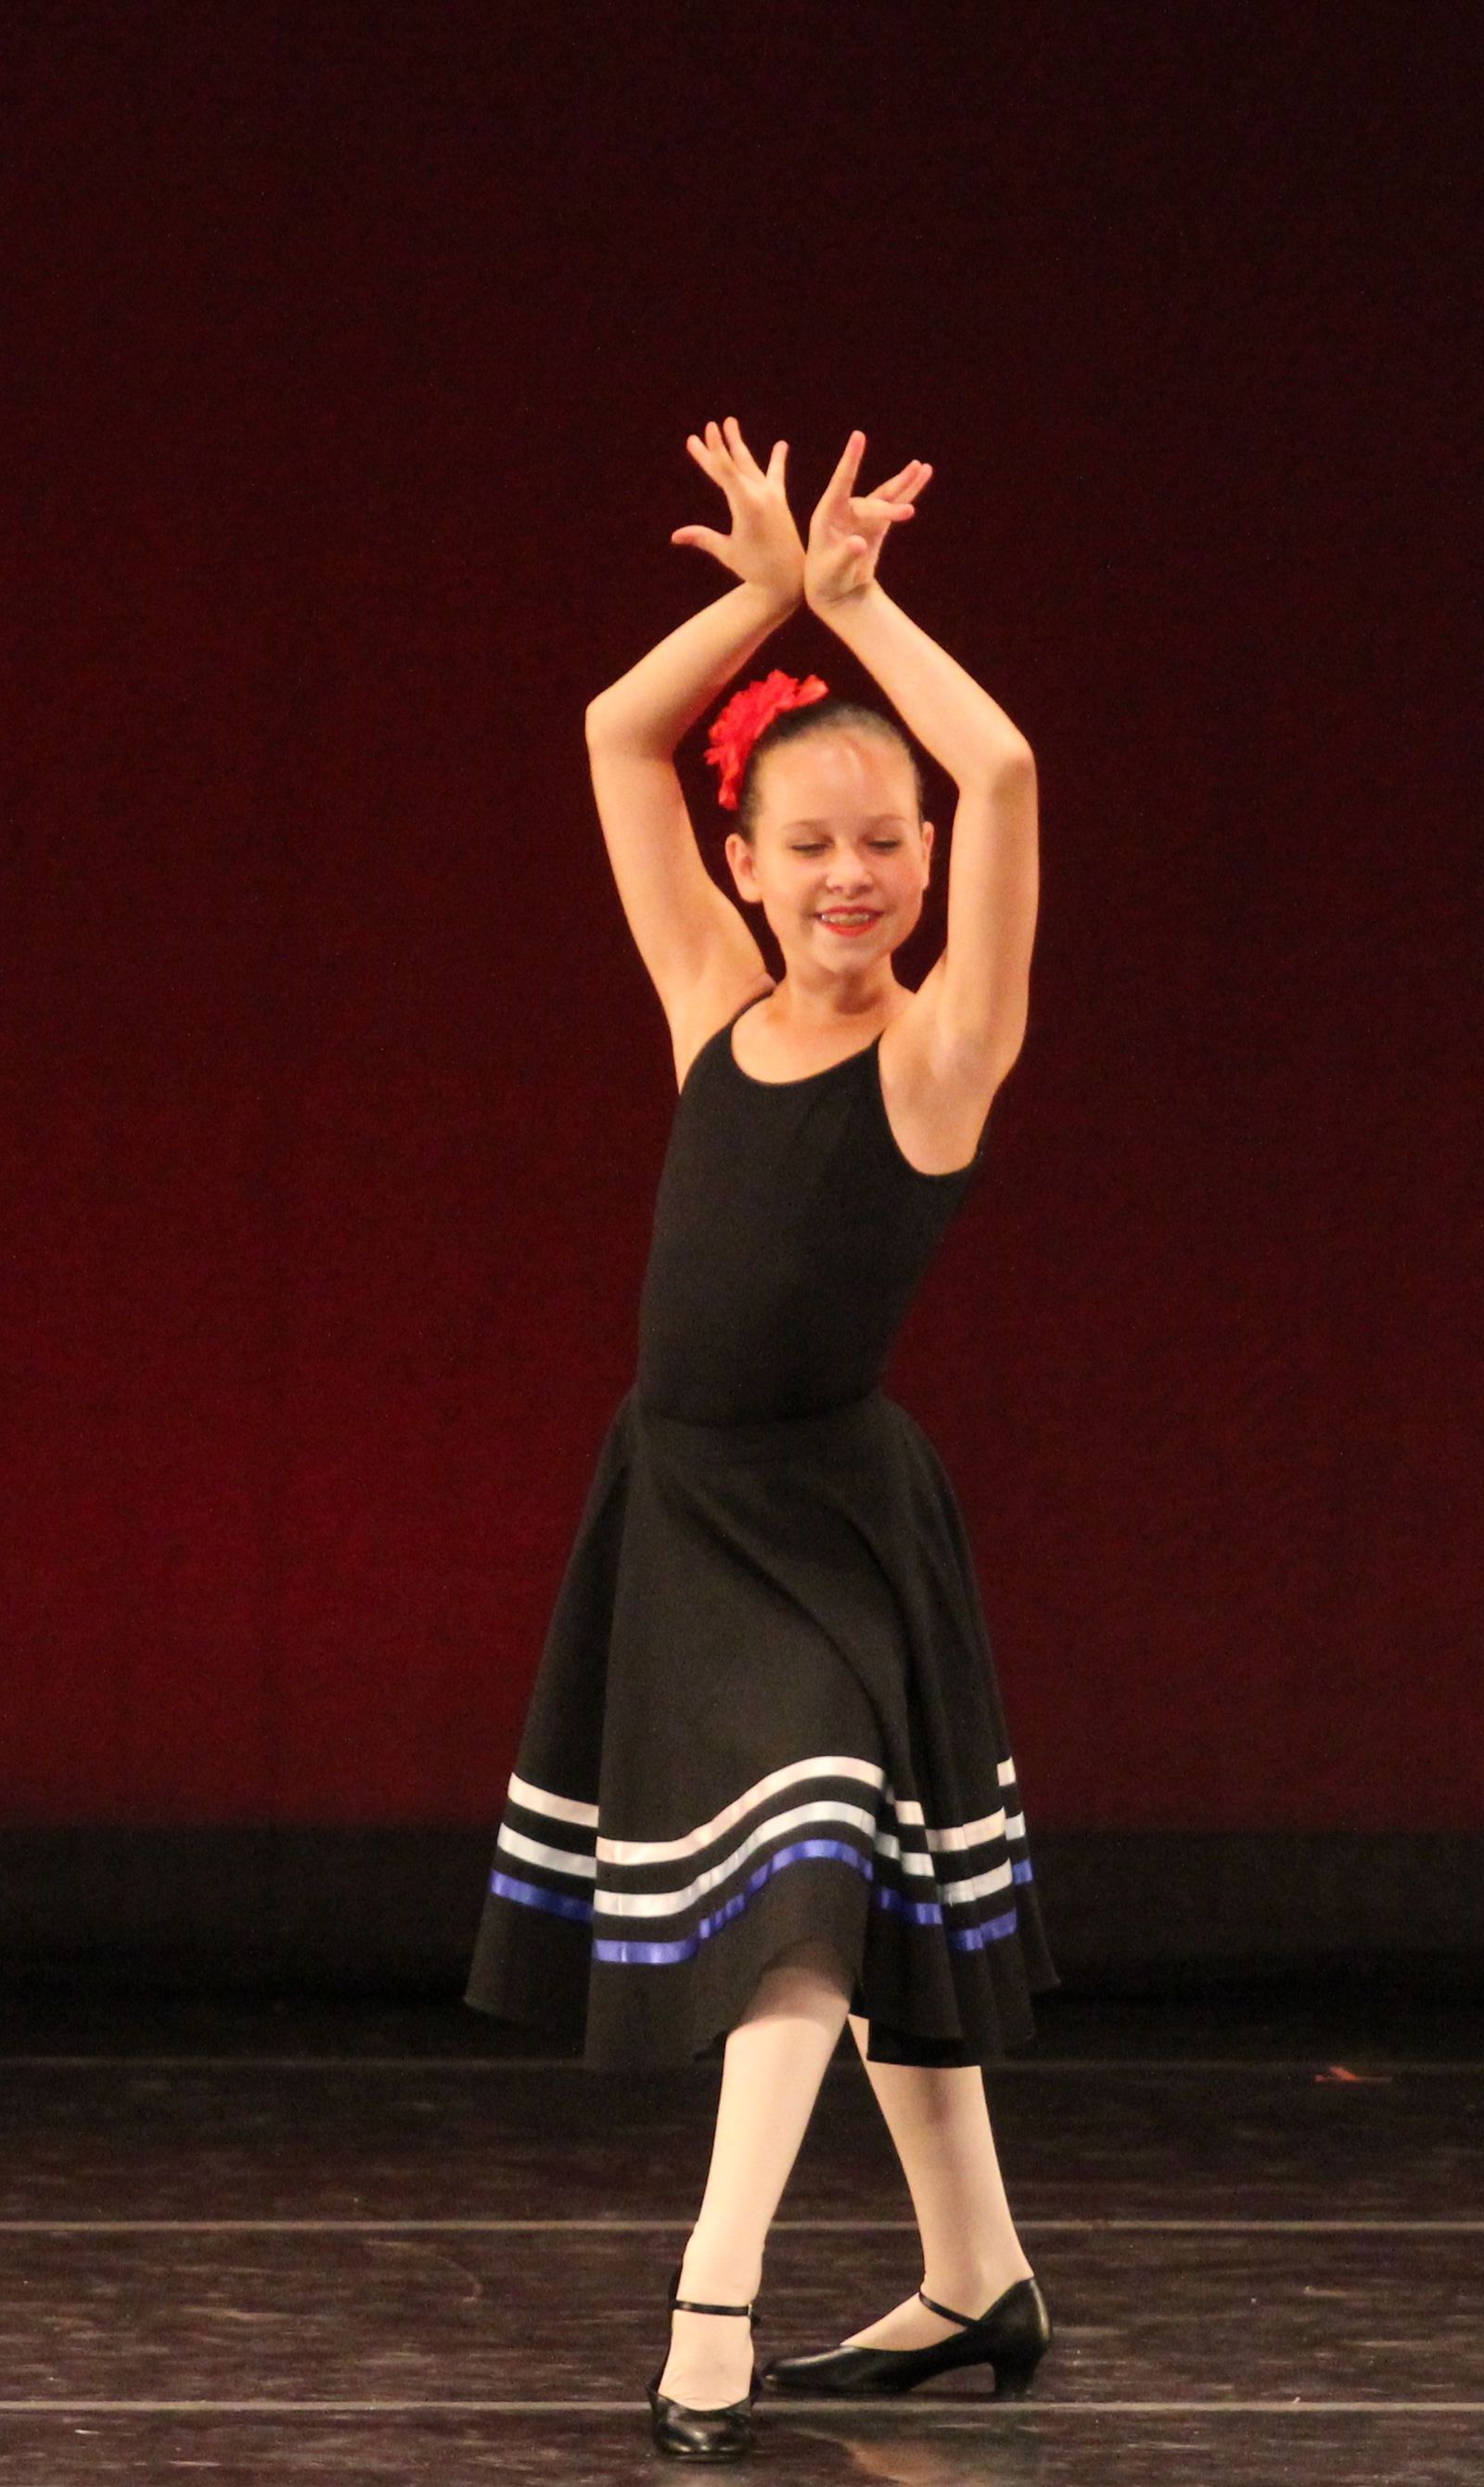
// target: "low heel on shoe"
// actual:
[[1014, 2376], [1012, 2337], [702, 2435]]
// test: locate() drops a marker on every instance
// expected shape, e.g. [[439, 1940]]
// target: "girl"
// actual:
[[764, 1784]]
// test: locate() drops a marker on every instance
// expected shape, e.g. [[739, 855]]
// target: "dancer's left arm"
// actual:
[[978, 990]]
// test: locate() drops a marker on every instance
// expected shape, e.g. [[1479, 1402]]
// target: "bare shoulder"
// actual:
[[715, 996], [937, 1087]]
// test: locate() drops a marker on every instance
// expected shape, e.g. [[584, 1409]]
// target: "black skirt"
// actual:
[[766, 1709]]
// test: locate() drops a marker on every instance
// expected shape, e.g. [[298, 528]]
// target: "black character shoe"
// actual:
[[1013, 2338], [703, 2435]]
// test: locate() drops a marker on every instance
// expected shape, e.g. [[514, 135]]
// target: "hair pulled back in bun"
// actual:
[[818, 712]]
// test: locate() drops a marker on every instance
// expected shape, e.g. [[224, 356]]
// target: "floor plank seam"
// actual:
[[391, 2227], [1289, 2407]]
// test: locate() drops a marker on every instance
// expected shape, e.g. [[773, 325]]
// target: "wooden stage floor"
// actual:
[[263, 2241]]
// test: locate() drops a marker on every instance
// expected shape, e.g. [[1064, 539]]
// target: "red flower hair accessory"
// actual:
[[742, 719]]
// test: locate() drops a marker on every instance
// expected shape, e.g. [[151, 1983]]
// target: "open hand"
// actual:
[[764, 547], [847, 530]]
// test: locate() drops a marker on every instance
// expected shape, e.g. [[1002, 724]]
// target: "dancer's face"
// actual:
[[836, 835]]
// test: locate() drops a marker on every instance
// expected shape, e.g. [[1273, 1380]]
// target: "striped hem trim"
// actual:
[[625, 1952], [641, 1913]]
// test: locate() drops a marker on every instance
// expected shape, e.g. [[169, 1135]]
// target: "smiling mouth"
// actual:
[[851, 919]]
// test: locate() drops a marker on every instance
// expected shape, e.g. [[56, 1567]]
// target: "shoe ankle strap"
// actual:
[[968, 2320], [701, 2305]]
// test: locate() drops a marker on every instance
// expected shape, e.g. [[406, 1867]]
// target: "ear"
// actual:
[[744, 864], [927, 842]]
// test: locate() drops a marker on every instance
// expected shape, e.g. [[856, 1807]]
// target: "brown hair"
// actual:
[[815, 716]]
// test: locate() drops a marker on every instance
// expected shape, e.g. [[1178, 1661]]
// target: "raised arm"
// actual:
[[695, 940], [979, 990]]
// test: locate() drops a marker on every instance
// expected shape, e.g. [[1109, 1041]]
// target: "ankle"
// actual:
[[718, 2275], [972, 2287]]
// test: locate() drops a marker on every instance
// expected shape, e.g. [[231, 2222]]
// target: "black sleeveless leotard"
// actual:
[[767, 1706], [789, 1236]]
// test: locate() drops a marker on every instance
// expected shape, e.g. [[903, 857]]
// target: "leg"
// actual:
[[939, 2119], [774, 2062]]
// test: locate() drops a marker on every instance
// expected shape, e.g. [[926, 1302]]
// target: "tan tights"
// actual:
[[938, 2120]]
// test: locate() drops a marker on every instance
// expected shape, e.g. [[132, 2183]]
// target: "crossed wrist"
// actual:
[[778, 596], [845, 600]]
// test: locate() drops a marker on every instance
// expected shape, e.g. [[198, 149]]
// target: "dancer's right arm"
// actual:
[[693, 939]]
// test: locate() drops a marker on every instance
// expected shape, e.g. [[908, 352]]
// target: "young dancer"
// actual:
[[764, 1785]]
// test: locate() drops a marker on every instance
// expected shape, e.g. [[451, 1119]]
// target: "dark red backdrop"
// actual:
[[356, 353]]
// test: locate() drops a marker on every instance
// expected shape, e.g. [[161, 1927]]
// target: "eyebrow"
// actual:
[[877, 820]]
